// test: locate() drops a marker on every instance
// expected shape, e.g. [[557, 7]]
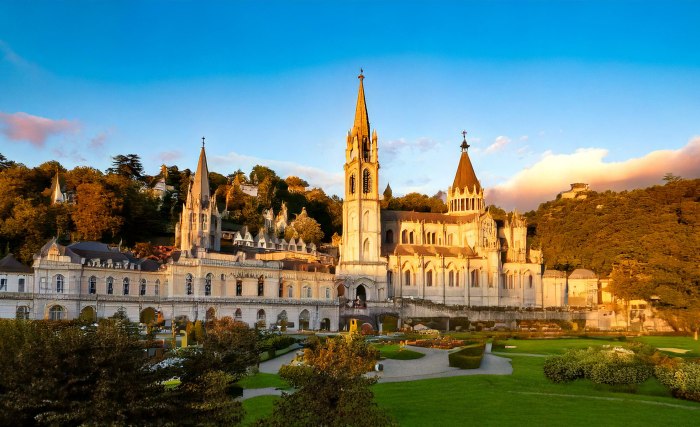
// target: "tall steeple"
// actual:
[[360, 259], [200, 185], [360, 127], [199, 229], [465, 196]]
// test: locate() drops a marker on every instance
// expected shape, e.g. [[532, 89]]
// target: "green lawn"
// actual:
[[394, 351], [257, 407], [527, 397], [551, 346], [263, 380], [686, 343]]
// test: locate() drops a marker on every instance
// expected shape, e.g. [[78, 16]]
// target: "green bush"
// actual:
[[467, 358], [601, 365], [681, 377]]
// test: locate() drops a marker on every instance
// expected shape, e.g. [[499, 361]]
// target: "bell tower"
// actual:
[[361, 242]]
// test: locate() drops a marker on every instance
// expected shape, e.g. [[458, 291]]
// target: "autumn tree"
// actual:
[[304, 227], [96, 212], [331, 389]]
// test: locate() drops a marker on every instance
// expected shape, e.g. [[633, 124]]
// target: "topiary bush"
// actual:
[[468, 357], [681, 377], [601, 365]]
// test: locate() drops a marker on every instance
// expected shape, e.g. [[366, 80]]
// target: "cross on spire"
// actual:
[[202, 142], [361, 76], [464, 145]]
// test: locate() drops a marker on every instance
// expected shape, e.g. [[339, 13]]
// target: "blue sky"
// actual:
[[550, 92]]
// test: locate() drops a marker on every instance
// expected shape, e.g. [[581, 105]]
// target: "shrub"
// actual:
[[681, 377], [467, 358], [601, 365], [620, 372], [561, 369]]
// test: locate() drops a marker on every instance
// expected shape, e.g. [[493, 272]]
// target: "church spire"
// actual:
[[465, 176], [200, 186], [361, 126]]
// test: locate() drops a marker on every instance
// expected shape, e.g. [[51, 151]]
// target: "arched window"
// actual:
[[125, 283], [404, 236], [410, 237], [156, 288], [529, 281], [457, 279], [328, 293], [238, 315], [306, 291], [261, 319], [92, 285], [451, 278], [365, 248], [142, 287], [207, 284], [59, 283], [304, 317], [366, 181], [290, 292], [188, 284], [389, 236], [352, 184], [407, 278], [475, 278], [280, 292], [261, 286], [57, 312], [429, 278], [22, 312], [110, 286], [239, 288]]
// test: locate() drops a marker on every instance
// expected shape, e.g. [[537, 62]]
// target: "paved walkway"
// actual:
[[435, 364]]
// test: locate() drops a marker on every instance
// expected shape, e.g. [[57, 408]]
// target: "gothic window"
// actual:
[[407, 278], [410, 237], [142, 287], [366, 181], [57, 312], [22, 312], [365, 148], [352, 184], [188, 284], [529, 280], [503, 281], [475, 278], [261, 318], [92, 285], [365, 248], [451, 278], [59, 284], [404, 237], [280, 292], [156, 288], [389, 236], [239, 288], [110, 286], [125, 284], [207, 284], [290, 292], [261, 286], [429, 278], [457, 279]]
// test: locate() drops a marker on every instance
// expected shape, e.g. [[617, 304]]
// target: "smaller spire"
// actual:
[[464, 145]]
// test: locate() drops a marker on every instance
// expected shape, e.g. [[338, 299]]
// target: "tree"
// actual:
[[304, 227], [128, 166], [260, 173], [331, 389], [296, 184], [4, 163], [63, 374], [96, 212]]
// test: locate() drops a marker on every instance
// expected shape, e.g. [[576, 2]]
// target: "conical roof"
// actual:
[[200, 185], [360, 127], [465, 176]]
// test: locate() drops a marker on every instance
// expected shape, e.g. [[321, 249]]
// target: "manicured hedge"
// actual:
[[611, 366], [468, 357], [681, 377]]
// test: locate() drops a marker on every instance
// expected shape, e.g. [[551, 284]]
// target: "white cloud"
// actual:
[[553, 173], [498, 144], [389, 150]]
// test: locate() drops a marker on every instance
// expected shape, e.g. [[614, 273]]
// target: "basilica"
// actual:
[[463, 257]]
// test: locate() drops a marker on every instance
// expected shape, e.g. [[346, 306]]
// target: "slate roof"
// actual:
[[10, 265]]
